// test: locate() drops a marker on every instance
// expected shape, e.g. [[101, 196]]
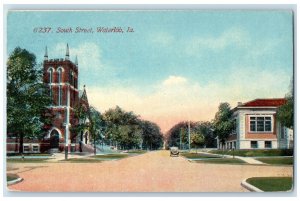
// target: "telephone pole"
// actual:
[[189, 132], [67, 124]]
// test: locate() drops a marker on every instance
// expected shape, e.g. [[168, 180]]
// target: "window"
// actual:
[[59, 95], [26, 148], [59, 75], [71, 78], [75, 83], [268, 144], [35, 148], [50, 75], [260, 124], [234, 145], [254, 144], [235, 126], [51, 93]]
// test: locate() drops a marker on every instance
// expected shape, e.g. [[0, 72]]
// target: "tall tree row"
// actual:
[[127, 131], [201, 135]]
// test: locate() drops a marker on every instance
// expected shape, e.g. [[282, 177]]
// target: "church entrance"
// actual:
[[54, 139]]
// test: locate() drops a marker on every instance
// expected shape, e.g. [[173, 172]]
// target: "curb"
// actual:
[[15, 181], [250, 187]]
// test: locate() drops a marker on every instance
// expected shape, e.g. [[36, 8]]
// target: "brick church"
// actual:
[[61, 75]]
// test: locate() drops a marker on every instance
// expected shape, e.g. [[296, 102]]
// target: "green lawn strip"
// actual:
[[33, 154], [26, 160], [110, 156], [198, 155], [222, 161], [11, 177], [277, 161], [137, 151], [255, 152], [82, 160], [271, 184]]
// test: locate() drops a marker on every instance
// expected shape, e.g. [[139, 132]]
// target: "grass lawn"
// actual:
[[111, 156], [222, 161], [82, 160], [27, 160], [32, 154], [271, 184], [137, 151], [256, 152], [198, 155], [277, 161], [11, 177], [97, 158]]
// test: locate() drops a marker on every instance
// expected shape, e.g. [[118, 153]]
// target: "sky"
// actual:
[[174, 65]]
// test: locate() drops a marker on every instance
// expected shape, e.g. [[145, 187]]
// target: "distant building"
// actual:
[[256, 126], [61, 75]]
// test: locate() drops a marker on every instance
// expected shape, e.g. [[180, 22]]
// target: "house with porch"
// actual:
[[256, 127]]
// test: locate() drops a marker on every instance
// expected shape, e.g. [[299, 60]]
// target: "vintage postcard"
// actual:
[[150, 101]]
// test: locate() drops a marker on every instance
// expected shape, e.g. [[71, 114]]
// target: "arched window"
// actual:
[[75, 83], [50, 70], [51, 93], [59, 95], [59, 70], [71, 77]]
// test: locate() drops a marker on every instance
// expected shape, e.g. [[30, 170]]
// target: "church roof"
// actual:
[[83, 95]]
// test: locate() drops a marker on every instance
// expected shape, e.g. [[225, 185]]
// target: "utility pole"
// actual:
[[180, 134], [189, 132], [67, 124], [95, 151]]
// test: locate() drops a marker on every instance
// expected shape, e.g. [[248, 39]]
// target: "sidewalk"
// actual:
[[61, 156], [249, 160]]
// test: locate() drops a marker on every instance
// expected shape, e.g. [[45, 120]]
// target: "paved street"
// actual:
[[150, 172]]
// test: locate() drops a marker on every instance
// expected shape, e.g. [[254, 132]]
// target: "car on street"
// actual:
[[174, 151]]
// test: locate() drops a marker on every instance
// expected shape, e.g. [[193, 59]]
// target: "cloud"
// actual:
[[232, 37], [184, 99], [174, 80], [162, 38]]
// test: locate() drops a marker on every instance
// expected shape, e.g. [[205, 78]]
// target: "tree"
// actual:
[[285, 113], [96, 125], [27, 96], [178, 134], [123, 128], [206, 129], [197, 139], [223, 122], [152, 136]]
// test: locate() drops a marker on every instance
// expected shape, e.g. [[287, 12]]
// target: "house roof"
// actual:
[[273, 102]]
